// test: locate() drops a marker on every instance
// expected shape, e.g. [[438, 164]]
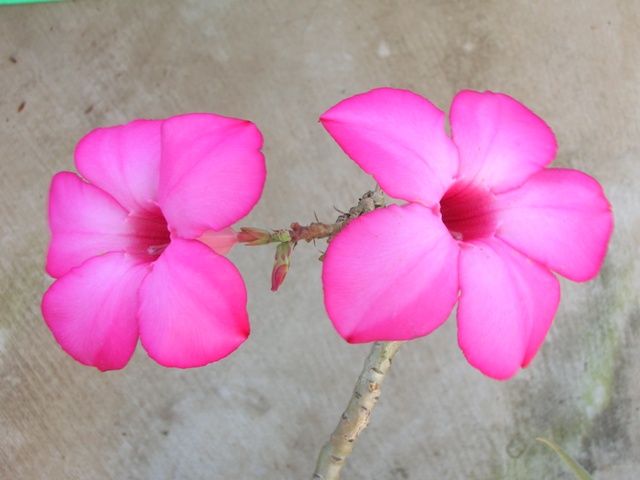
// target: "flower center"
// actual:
[[468, 212], [150, 233]]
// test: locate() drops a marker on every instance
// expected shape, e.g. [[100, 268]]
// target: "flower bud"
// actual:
[[281, 267], [254, 236]]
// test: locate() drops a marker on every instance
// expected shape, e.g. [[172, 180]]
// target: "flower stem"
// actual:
[[287, 239], [356, 416], [314, 231]]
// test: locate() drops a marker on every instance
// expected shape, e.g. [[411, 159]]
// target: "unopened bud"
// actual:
[[281, 267], [254, 236]]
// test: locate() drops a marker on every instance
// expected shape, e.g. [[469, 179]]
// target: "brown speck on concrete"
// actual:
[[21, 106]]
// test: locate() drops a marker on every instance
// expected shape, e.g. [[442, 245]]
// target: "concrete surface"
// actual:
[[266, 410]]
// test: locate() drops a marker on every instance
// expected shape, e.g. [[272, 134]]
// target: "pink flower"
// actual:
[[134, 249], [485, 225]]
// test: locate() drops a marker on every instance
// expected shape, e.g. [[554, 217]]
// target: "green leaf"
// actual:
[[577, 469]]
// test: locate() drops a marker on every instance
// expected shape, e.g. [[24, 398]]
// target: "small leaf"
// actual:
[[577, 469]]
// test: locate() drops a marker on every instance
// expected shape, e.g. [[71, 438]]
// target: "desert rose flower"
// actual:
[[485, 225], [136, 245]]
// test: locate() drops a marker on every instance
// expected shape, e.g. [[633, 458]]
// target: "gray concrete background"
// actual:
[[265, 411]]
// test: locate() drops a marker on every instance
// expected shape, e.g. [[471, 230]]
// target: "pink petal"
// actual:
[[192, 307], [220, 242], [560, 218], [501, 142], [390, 275], [124, 161], [85, 222], [212, 172], [399, 138], [92, 310], [506, 306]]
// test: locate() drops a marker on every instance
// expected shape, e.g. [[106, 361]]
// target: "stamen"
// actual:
[[156, 250]]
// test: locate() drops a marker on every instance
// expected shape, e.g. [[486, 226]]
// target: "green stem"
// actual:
[[356, 416]]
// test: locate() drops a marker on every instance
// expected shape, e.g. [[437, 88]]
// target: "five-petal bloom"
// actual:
[[136, 249], [485, 225]]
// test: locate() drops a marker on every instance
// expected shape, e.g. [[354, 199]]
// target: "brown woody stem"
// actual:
[[317, 230], [287, 239], [356, 416]]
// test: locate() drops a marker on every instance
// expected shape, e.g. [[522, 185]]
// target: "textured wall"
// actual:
[[265, 411]]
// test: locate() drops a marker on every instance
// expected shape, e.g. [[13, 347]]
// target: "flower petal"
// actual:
[[212, 172], [192, 306], [390, 275], [92, 310], [506, 306], [560, 218], [124, 161], [399, 138], [501, 142], [84, 221]]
